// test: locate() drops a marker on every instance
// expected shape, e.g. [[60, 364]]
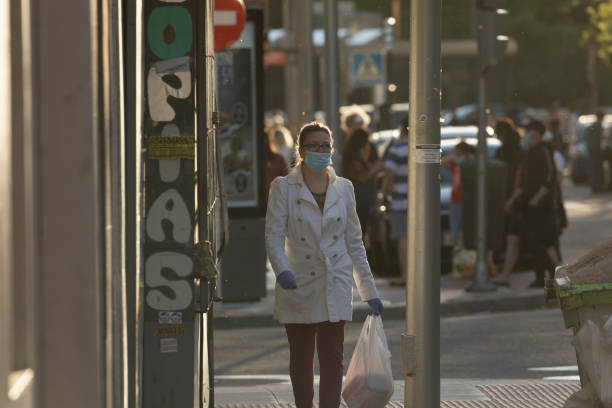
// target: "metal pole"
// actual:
[[302, 21], [113, 127], [133, 193], [422, 337], [481, 274], [333, 109]]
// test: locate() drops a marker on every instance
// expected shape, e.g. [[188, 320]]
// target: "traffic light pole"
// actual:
[[481, 281], [421, 341], [487, 44]]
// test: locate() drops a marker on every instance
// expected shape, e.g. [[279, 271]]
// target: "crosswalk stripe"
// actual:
[[563, 378], [552, 369]]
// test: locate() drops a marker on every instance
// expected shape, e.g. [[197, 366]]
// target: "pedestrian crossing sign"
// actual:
[[367, 68]]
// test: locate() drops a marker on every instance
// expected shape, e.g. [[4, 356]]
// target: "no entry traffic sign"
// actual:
[[229, 20]]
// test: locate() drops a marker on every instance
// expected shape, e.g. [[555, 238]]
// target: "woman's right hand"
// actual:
[[286, 280]]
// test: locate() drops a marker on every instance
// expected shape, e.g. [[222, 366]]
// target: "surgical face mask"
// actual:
[[317, 162]]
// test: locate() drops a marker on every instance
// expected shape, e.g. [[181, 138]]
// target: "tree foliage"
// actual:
[[599, 29], [550, 63]]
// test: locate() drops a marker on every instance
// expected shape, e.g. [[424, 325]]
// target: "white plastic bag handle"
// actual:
[[380, 336]]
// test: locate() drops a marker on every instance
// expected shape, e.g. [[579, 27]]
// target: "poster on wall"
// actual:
[[238, 124]]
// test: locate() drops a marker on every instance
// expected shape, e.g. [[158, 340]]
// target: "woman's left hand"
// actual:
[[376, 306]]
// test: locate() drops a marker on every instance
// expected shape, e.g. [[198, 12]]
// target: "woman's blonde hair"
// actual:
[[305, 130]]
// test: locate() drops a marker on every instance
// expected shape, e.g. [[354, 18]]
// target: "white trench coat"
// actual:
[[324, 252]]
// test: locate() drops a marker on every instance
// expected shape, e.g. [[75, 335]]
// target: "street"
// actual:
[[489, 346], [519, 345]]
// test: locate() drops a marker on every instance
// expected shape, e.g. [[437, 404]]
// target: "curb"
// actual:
[[398, 311]]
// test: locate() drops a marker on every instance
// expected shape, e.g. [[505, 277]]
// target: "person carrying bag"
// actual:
[[313, 239]]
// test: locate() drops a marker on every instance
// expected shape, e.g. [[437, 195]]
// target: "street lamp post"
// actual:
[[421, 340], [333, 104], [491, 48]]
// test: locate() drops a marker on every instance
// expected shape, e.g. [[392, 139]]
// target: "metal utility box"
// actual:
[[243, 269], [582, 302], [496, 197], [240, 104]]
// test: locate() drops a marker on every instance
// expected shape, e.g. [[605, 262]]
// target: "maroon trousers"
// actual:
[[329, 340]]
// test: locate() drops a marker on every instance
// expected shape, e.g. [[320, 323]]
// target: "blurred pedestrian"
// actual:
[[395, 184], [361, 171], [553, 113], [352, 119], [560, 165], [314, 243], [461, 152], [511, 153], [281, 142], [594, 141], [275, 167], [536, 196], [572, 124], [556, 137]]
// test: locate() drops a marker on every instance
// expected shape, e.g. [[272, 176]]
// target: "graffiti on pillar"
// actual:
[[169, 180], [169, 177]]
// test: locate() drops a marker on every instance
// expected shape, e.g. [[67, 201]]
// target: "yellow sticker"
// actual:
[[167, 331], [171, 147]]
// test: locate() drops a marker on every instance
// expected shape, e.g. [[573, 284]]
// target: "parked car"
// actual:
[[383, 138], [382, 251], [468, 114], [579, 162]]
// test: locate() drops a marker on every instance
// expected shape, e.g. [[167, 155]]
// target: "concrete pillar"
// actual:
[[70, 338]]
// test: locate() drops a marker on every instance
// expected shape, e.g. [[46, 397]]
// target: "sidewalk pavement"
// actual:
[[455, 393], [454, 301]]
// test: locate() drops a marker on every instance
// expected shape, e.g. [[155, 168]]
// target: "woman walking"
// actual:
[[361, 171], [535, 195], [313, 238], [510, 153]]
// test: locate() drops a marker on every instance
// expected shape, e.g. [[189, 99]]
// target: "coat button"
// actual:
[[307, 256], [299, 220], [312, 274], [302, 239], [338, 219], [335, 237]]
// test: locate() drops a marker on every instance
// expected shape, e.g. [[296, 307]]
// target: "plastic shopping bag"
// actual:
[[463, 262], [369, 380]]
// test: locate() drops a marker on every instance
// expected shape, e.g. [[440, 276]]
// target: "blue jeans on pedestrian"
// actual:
[[455, 222]]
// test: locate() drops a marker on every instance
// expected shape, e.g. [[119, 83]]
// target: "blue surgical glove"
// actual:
[[286, 280], [376, 306]]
